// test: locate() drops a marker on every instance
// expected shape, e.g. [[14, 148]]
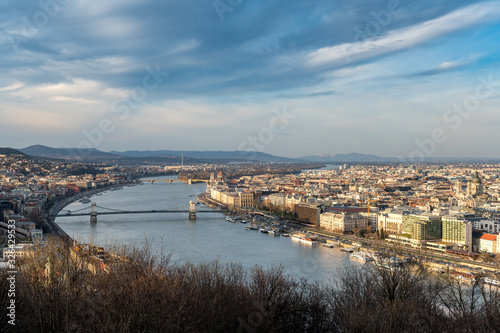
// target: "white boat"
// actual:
[[329, 245], [285, 235], [348, 249], [491, 281], [274, 232], [230, 219], [305, 239], [362, 256], [309, 240]]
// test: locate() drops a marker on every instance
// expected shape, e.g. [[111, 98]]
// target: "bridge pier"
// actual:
[[192, 210], [190, 182], [93, 213]]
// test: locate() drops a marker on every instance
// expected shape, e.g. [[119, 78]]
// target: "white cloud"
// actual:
[[14, 86], [184, 46], [405, 38]]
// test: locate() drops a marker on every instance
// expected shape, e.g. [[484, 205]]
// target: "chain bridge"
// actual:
[[94, 210]]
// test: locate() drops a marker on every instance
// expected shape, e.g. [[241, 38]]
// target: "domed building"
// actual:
[[475, 186]]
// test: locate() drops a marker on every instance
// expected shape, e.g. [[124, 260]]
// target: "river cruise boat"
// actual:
[[310, 240]]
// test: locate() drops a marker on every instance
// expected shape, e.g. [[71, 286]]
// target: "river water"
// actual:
[[208, 238]]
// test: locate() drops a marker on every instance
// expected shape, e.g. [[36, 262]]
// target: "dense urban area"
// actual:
[[441, 217], [450, 208]]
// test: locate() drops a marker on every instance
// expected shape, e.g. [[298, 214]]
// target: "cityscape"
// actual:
[[237, 166]]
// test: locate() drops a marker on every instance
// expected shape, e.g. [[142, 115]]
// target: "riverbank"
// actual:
[[203, 198], [59, 205], [439, 260]]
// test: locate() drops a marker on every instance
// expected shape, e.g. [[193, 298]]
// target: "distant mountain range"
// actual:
[[172, 156], [67, 153], [210, 155]]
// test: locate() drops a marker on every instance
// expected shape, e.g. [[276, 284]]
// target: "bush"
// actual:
[[58, 291]]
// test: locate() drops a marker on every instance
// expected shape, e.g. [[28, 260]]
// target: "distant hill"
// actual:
[[67, 153], [10, 151], [152, 156], [211, 155], [352, 157]]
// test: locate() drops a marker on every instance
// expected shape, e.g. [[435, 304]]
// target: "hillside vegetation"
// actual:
[[56, 292]]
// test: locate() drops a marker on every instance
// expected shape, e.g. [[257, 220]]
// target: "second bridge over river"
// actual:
[[170, 181], [94, 210]]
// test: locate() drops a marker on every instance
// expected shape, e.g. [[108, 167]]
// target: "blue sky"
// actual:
[[378, 77]]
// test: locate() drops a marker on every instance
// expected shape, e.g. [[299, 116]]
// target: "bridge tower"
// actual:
[[93, 213], [192, 210]]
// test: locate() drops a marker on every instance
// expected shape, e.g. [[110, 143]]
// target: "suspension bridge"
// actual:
[[94, 210], [170, 181]]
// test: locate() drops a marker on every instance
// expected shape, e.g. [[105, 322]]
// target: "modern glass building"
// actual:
[[424, 227], [457, 230]]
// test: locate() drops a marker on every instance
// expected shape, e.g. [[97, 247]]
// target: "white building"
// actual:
[[490, 226], [342, 223]]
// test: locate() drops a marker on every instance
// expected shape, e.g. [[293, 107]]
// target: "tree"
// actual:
[[486, 257]]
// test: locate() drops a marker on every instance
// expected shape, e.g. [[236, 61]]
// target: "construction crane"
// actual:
[[369, 204]]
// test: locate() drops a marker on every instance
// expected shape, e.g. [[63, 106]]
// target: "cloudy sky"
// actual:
[[291, 78]]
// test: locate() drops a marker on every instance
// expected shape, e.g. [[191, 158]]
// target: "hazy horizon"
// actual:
[[392, 78]]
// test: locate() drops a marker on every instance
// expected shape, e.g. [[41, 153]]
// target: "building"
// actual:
[[488, 243], [247, 199], [277, 200], [457, 230], [475, 186], [309, 212], [423, 227], [346, 209], [391, 222], [342, 223], [490, 226], [372, 219]]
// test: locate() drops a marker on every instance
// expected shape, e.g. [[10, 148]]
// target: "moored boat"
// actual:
[[230, 219], [491, 281], [310, 240], [362, 256], [274, 231]]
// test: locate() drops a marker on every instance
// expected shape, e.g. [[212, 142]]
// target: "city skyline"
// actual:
[[389, 78]]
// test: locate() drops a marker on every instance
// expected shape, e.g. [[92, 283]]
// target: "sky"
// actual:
[[394, 78]]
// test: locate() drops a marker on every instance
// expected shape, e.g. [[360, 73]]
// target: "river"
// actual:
[[208, 238]]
